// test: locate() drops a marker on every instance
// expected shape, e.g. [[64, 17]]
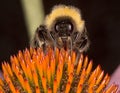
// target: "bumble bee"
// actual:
[[62, 28]]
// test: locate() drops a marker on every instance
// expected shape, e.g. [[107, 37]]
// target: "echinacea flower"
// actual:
[[33, 71]]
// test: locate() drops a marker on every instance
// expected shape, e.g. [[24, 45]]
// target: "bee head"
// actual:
[[63, 27], [66, 27], [63, 17]]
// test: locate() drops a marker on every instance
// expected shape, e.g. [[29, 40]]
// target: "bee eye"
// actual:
[[70, 27], [63, 27], [57, 27]]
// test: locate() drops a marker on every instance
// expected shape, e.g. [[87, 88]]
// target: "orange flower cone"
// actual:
[[33, 71]]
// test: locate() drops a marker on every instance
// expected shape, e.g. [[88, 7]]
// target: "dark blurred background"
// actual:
[[102, 21]]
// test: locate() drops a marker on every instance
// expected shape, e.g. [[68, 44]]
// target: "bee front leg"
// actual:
[[80, 42], [41, 38]]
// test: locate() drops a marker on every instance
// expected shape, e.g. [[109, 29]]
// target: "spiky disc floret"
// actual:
[[32, 71]]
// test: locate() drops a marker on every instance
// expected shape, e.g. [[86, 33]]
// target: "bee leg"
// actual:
[[53, 38], [69, 46], [81, 42], [77, 57], [41, 38]]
